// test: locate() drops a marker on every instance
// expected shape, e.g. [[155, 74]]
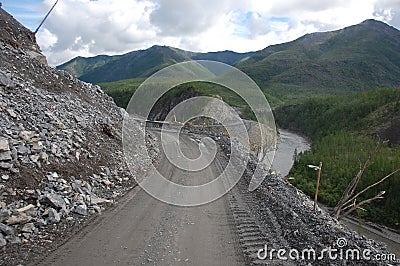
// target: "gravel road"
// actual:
[[145, 231], [232, 230]]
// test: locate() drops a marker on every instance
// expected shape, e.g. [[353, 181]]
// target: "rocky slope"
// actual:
[[61, 159]]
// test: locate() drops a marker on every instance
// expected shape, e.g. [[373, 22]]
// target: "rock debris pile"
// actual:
[[61, 157]]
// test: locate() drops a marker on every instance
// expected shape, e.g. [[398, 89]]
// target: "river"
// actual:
[[288, 143]]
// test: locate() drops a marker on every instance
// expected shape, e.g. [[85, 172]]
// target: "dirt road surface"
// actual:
[[145, 231]]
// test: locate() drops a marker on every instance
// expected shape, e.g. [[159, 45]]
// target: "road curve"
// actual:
[[142, 230]]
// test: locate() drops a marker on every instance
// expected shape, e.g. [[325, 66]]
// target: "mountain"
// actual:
[[81, 65], [140, 63], [356, 58]]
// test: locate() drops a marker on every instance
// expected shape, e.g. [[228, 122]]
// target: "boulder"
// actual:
[[5, 156], [54, 200], [5, 166], [54, 216], [81, 209], [3, 242], [26, 208], [28, 228], [20, 218], [4, 145], [7, 230]]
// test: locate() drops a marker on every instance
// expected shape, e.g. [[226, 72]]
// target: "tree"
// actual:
[[348, 202]]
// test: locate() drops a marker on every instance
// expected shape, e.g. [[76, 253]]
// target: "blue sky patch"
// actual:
[[25, 11]]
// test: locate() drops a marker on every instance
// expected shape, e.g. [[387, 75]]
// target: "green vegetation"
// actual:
[[344, 130], [365, 112], [81, 65], [341, 154], [121, 91]]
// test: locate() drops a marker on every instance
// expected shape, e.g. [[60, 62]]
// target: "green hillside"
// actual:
[[81, 65], [139, 64], [122, 91], [357, 58], [134, 65]]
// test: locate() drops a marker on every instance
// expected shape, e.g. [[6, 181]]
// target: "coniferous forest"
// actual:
[[345, 131]]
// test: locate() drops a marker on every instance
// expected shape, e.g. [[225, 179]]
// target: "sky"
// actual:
[[92, 27]]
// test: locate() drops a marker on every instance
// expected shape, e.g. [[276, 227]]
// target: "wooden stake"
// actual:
[[316, 190], [48, 13]]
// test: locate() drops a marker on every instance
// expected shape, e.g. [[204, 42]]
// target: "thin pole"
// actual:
[[318, 181], [48, 13]]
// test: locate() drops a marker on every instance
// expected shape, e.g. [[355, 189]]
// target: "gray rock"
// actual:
[[37, 146], [97, 208], [81, 209], [34, 158], [3, 242], [20, 218], [4, 144], [11, 113], [54, 216], [22, 149], [28, 228], [5, 177], [26, 135], [5, 156], [7, 230], [54, 200], [14, 170], [26, 208], [76, 185], [52, 176], [97, 200], [41, 222], [44, 157], [14, 154], [4, 215], [5, 165], [6, 81], [15, 240]]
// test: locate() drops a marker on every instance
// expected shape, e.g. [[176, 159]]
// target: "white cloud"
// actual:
[[93, 27], [46, 39], [388, 10], [87, 28]]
